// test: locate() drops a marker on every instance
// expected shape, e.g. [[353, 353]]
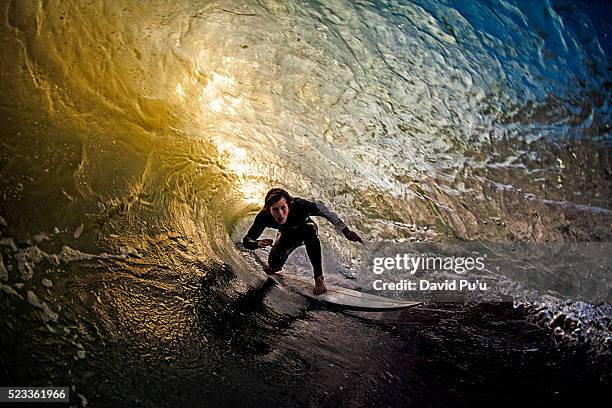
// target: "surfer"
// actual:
[[291, 217]]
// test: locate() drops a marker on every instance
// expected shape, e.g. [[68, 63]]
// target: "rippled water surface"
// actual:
[[138, 140]]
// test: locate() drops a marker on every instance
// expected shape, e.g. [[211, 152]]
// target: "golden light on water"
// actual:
[[239, 162], [253, 190], [217, 95], [180, 91]]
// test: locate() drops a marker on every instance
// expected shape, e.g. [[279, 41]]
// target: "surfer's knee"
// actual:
[[276, 261]]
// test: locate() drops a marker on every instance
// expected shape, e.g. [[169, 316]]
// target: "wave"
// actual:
[[152, 133]]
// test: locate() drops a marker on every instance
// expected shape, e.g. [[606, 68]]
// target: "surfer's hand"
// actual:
[[351, 235], [320, 287], [262, 243]]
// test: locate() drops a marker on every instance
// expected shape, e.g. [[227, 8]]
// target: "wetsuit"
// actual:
[[299, 229]]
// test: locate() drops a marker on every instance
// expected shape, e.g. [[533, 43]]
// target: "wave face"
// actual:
[[138, 138]]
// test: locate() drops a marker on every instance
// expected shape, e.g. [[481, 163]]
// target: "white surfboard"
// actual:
[[339, 296], [336, 295]]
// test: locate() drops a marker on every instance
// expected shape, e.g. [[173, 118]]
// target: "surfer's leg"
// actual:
[[284, 244], [313, 247]]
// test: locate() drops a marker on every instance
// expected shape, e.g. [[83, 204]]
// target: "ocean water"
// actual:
[[139, 138]]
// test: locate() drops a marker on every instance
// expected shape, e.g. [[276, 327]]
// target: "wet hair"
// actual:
[[274, 195]]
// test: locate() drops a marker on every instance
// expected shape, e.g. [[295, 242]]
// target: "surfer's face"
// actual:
[[280, 211]]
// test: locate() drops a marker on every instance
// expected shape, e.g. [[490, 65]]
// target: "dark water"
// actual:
[[137, 140]]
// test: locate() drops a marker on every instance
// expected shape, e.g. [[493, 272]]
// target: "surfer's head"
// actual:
[[277, 202]]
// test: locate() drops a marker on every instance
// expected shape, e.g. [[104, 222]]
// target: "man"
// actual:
[[291, 217]]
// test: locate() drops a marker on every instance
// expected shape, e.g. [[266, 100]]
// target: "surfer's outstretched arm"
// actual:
[[321, 210], [250, 240]]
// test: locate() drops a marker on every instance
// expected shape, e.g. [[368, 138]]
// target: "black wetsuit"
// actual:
[[299, 229]]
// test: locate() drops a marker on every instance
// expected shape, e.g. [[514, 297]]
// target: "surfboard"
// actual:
[[337, 295], [345, 298]]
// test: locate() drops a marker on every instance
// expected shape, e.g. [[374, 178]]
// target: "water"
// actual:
[[138, 137]]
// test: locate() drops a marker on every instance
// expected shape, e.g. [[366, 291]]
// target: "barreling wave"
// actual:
[[138, 136]]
